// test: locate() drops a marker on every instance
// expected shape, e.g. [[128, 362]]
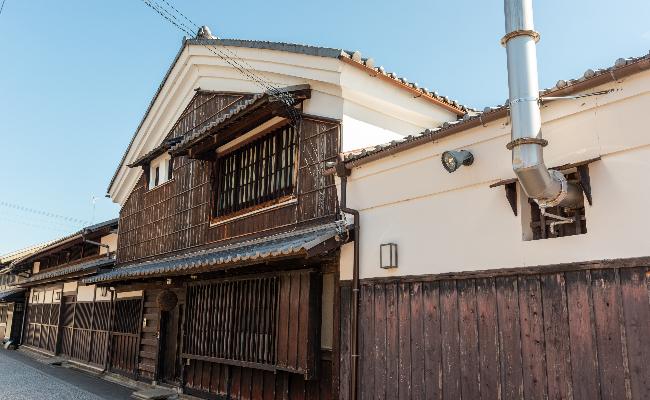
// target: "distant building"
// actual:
[[64, 317]]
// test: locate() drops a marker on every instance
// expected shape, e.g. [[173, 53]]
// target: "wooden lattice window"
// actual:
[[257, 173], [268, 322], [241, 323], [127, 316]]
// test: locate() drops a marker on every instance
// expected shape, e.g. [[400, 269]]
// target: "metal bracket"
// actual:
[[585, 181], [511, 195], [526, 140]]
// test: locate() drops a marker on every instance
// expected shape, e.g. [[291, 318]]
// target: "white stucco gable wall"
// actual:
[[371, 110]]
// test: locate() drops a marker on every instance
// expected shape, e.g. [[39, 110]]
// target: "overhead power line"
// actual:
[[44, 213], [189, 27], [173, 16], [2, 6]]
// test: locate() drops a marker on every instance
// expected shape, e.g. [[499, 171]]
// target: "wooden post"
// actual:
[[59, 329]]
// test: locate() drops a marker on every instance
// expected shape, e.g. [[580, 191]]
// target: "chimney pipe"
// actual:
[[548, 188]]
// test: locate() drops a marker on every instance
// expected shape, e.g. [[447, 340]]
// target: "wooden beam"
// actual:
[[559, 168]]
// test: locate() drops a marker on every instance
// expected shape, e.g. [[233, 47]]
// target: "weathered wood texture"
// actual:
[[125, 336], [270, 322], [176, 215], [42, 326], [206, 379], [581, 334], [84, 330]]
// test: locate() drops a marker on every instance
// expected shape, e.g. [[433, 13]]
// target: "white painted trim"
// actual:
[[293, 200], [268, 124]]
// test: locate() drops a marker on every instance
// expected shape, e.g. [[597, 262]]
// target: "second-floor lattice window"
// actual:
[[257, 173]]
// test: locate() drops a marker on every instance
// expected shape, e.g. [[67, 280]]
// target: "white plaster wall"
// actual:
[[455, 222], [111, 241], [372, 111], [127, 295], [86, 293], [99, 297], [70, 287]]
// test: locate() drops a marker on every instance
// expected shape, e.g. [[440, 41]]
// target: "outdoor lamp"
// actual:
[[452, 160], [388, 255]]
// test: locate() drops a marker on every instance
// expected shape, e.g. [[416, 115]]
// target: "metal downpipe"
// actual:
[[548, 187], [343, 173]]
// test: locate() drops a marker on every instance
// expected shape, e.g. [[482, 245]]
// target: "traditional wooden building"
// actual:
[[229, 230], [470, 289], [12, 296], [63, 316]]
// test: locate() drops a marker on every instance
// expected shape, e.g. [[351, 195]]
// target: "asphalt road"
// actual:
[[23, 378]]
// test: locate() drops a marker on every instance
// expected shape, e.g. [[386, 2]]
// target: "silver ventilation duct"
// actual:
[[548, 187]]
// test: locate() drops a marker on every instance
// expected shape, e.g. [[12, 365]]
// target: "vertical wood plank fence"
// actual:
[[582, 334]]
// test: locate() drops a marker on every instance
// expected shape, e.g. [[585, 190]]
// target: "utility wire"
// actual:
[[173, 16], [43, 213], [232, 59], [2, 6]]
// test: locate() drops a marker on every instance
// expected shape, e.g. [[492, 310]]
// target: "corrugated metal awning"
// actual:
[[299, 243], [77, 269]]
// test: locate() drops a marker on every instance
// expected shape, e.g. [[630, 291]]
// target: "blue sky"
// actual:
[[76, 76]]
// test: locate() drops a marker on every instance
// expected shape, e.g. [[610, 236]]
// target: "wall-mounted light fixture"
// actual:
[[57, 295], [169, 281], [452, 160], [388, 255], [104, 291]]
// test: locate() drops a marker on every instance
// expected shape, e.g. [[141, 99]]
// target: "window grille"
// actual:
[[257, 173], [233, 320], [540, 225]]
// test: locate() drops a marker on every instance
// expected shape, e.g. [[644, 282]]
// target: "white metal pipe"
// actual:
[[548, 188]]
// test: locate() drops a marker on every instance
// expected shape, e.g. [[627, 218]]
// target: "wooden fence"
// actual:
[[578, 334]]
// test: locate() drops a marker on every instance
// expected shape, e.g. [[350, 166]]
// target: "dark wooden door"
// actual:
[[170, 336], [127, 317]]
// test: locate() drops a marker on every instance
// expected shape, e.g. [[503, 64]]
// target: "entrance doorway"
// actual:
[[170, 338]]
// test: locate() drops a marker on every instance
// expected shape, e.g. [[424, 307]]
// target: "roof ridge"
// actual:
[[469, 119], [351, 57]]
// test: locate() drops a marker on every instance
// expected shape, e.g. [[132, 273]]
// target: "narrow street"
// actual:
[[24, 378]]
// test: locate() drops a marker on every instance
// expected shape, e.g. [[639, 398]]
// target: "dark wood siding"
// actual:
[[227, 381], [85, 330], [125, 336], [579, 334], [176, 215], [42, 326], [270, 322]]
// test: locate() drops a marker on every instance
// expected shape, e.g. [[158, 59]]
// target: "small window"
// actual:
[[260, 172], [545, 227], [160, 170]]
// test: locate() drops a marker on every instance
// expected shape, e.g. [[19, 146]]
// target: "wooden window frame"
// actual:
[[220, 216]]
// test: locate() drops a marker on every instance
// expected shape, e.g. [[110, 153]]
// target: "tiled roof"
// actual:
[[88, 266], [14, 255], [204, 130], [59, 241], [10, 293], [591, 78], [296, 243], [351, 57], [254, 102], [164, 146]]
